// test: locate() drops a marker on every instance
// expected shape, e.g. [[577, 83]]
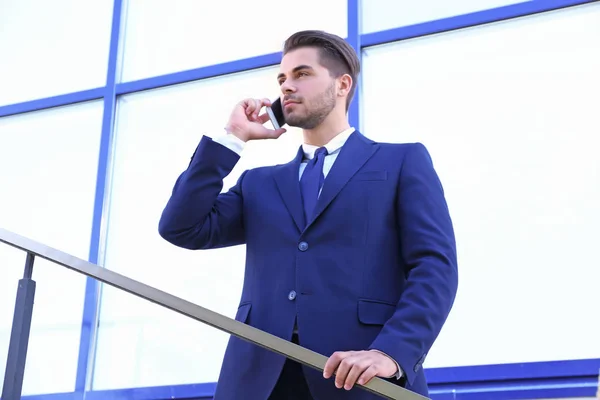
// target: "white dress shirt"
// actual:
[[334, 146], [232, 142]]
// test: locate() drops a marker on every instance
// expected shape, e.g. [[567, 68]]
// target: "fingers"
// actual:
[[367, 375], [347, 366], [262, 118], [247, 123], [342, 372], [352, 367], [279, 132], [275, 133], [265, 133], [332, 363], [253, 106], [359, 367]]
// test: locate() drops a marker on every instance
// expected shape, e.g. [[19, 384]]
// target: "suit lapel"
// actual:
[[354, 154], [288, 183]]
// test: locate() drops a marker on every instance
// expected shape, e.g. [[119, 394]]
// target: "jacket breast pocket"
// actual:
[[374, 312], [370, 176], [243, 312]]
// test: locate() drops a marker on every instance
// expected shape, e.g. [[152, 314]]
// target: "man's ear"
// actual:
[[344, 85]]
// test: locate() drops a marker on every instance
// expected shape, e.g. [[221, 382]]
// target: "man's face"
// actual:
[[308, 90]]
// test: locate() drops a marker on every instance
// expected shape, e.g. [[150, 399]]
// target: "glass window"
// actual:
[[48, 163], [163, 37], [509, 114], [139, 343], [379, 15], [52, 47]]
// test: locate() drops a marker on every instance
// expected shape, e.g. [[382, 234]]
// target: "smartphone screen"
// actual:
[[276, 114]]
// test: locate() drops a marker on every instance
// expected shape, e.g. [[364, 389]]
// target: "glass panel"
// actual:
[[512, 127], [141, 344], [52, 47], [379, 15], [163, 37], [48, 163]]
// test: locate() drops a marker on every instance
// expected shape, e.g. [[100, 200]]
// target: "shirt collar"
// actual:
[[334, 144]]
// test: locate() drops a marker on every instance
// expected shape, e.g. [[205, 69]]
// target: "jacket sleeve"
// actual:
[[198, 215], [428, 246]]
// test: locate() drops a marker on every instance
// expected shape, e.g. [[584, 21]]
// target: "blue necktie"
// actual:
[[312, 182]]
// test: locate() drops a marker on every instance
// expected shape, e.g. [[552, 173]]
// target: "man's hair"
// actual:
[[335, 54]]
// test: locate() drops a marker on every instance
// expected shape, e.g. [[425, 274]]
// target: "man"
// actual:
[[350, 246]]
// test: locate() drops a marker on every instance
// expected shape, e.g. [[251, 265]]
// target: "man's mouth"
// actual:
[[289, 102]]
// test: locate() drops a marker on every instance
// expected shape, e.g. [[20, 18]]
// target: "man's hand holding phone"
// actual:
[[247, 123]]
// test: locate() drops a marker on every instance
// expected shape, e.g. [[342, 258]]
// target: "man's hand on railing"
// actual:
[[358, 366]]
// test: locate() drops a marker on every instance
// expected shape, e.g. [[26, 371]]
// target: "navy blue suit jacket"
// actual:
[[376, 268]]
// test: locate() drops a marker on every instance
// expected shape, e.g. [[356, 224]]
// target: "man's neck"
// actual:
[[322, 134]]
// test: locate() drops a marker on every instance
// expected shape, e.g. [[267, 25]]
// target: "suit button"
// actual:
[[303, 246], [292, 295]]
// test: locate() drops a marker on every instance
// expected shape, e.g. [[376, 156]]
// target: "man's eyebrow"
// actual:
[[298, 68]]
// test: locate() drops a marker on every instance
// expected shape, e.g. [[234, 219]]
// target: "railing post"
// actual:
[[19, 337]]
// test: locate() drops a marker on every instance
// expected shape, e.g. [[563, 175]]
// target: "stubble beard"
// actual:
[[321, 108]]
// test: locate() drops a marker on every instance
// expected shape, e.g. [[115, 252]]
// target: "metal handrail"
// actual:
[[13, 379]]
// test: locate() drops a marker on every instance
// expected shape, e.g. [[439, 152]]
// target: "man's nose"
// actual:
[[287, 87]]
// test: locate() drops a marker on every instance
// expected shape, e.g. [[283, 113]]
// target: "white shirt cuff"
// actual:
[[232, 142]]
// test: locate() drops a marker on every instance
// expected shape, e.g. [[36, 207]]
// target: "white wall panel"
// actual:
[[379, 15], [53, 47], [48, 163], [163, 37], [509, 113]]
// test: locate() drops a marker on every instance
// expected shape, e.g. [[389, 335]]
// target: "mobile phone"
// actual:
[[276, 114]]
